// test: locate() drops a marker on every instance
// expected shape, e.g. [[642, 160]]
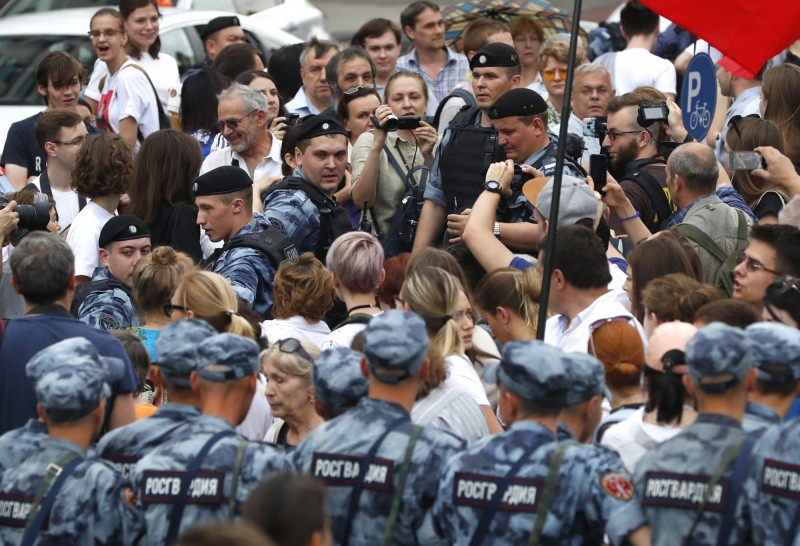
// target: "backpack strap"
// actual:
[[237, 469], [654, 191], [51, 484], [740, 471], [460, 93], [358, 318], [401, 485], [163, 120], [547, 494]]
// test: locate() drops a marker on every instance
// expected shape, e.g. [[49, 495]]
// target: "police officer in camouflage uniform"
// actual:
[[776, 356], [224, 199], [522, 484], [688, 487], [583, 412], [373, 456], [206, 470], [106, 301], [772, 492], [20, 443], [338, 381], [87, 502], [177, 350]]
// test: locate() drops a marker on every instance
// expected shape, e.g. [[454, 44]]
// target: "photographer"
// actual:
[[388, 164], [8, 220]]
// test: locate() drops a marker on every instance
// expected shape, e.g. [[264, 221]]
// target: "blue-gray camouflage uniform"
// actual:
[[672, 479], [108, 309], [776, 356], [92, 505], [249, 271], [230, 471], [295, 214], [591, 487], [338, 381], [19, 444], [586, 379]]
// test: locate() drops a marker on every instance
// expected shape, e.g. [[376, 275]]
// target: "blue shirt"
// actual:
[[454, 71], [26, 336], [726, 194]]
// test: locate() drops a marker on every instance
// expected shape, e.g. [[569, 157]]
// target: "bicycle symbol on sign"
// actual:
[[700, 116]]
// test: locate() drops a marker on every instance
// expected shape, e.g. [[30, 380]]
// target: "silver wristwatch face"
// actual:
[[492, 186]]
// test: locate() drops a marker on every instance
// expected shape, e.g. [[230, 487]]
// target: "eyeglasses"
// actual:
[[602, 322], [292, 345], [612, 134], [550, 73], [233, 123], [356, 89], [752, 265], [170, 308], [589, 91], [733, 123], [74, 142], [110, 33]]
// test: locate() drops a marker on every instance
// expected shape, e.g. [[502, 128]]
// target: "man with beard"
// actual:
[[242, 114], [636, 161]]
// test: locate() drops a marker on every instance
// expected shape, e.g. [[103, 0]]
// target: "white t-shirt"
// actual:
[[66, 204], [259, 416], [297, 327], [633, 437], [163, 73], [462, 375], [269, 166], [636, 67], [127, 93], [84, 235]]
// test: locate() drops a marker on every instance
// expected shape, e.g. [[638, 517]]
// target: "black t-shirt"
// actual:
[[770, 203], [177, 227]]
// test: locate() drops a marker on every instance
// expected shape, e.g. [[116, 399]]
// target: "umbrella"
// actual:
[[457, 16]]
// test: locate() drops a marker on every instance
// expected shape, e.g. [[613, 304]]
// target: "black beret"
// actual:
[[122, 228], [518, 102], [321, 124], [222, 180], [495, 54], [218, 23]]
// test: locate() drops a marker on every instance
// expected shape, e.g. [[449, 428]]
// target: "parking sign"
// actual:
[[699, 95]]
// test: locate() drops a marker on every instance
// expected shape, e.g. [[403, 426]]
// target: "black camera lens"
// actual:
[[33, 217]]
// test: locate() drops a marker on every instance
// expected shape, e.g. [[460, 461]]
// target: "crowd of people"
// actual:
[[305, 308]]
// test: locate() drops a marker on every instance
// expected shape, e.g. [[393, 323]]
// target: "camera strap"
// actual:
[[44, 183]]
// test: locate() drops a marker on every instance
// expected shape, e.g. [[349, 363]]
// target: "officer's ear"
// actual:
[[750, 379], [320, 538], [103, 257], [194, 381], [40, 412], [298, 156], [688, 384], [424, 369]]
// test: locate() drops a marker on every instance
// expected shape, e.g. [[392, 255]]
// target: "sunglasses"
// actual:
[[233, 123], [292, 345], [170, 308], [549, 74], [356, 89], [734, 122], [602, 322]]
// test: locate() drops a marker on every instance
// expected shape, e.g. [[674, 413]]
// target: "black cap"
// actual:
[[321, 124], [518, 102], [222, 180], [122, 228], [495, 54], [218, 23]]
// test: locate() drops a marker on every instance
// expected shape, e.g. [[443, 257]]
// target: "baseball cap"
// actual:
[[532, 370], [719, 357], [177, 348], [776, 351], [227, 357], [586, 377], [337, 378], [577, 201], [395, 345], [666, 349]]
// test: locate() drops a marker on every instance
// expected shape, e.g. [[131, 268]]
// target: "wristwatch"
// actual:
[[492, 186], [497, 229]]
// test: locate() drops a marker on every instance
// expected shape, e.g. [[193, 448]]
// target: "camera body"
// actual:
[[651, 112], [291, 119], [31, 217], [393, 123]]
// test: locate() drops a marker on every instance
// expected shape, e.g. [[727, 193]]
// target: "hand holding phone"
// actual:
[[597, 170]]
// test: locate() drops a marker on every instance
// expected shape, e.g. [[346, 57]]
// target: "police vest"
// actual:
[[271, 242], [466, 158], [83, 290], [333, 220]]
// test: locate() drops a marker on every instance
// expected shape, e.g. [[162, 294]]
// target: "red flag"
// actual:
[[749, 32]]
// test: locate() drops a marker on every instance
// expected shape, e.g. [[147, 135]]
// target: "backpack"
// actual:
[[461, 93], [658, 194], [271, 242], [723, 280], [402, 230], [333, 220]]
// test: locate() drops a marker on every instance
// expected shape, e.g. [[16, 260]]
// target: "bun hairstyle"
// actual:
[[510, 288], [618, 346], [156, 277]]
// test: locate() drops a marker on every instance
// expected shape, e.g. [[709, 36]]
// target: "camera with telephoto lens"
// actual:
[[31, 217]]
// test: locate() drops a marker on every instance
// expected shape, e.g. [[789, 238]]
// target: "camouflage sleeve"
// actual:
[[237, 266], [116, 518], [108, 311], [442, 514], [296, 217]]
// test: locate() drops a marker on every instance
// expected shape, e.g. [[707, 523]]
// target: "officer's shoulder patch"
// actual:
[[108, 322], [277, 223], [617, 485]]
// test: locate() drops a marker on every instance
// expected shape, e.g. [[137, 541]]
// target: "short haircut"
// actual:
[[356, 258], [476, 36], [676, 296], [637, 19], [591, 68], [42, 265], [522, 24], [408, 17], [302, 287], [697, 165], [289, 507], [345, 56], [736, 313], [785, 240], [245, 195], [533, 408], [137, 353], [50, 123], [580, 256], [375, 28], [59, 68], [252, 99], [156, 276], [557, 46], [235, 59], [317, 48], [104, 166]]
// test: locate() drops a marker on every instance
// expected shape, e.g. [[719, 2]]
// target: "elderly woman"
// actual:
[[289, 365]]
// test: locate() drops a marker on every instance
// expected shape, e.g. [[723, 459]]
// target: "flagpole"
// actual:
[[562, 140]]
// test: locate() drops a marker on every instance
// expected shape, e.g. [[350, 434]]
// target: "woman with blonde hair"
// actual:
[[433, 294], [289, 367], [508, 300]]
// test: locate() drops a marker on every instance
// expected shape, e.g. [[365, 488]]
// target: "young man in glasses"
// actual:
[[106, 301], [774, 250]]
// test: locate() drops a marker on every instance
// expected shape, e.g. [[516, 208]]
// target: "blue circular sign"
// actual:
[[699, 95]]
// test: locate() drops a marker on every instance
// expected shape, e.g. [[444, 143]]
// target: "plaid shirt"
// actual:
[[455, 71]]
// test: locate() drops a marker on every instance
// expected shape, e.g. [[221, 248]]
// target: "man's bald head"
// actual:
[[697, 165]]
